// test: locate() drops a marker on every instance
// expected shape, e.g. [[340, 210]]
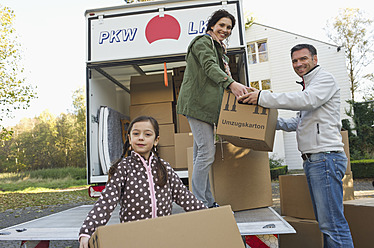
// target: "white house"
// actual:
[[270, 68]]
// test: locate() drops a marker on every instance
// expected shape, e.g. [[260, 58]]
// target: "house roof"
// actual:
[[296, 34]]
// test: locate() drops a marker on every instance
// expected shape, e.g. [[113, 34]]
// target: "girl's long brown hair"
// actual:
[[162, 175]]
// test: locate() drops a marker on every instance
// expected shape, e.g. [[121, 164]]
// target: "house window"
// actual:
[[258, 52], [265, 84]]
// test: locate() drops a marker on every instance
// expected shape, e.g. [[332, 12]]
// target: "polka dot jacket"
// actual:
[[133, 187]]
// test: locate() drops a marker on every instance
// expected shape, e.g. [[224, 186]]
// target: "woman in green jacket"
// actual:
[[206, 76]]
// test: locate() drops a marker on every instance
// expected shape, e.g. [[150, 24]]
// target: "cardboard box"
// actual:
[[204, 228], [177, 88], [182, 141], [307, 234], [360, 216], [295, 200], [241, 177], [178, 79], [166, 135], [167, 153], [178, 72], [162, 112], [346, 150], [190, 170], [151, 89], [183, 124], [246, 125], [348, 189]]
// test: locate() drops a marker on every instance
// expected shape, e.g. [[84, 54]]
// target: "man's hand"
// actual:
[[250, 97], [238, 89]]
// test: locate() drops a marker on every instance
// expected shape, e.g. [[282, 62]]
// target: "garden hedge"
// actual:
[[277, 171], [363, 168]]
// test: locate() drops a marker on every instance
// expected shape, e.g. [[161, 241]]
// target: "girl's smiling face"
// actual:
[[142, 138], [222, 29]]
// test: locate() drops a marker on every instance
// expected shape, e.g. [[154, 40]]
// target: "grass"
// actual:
[[60, 178], [42, 199], [43, 188]]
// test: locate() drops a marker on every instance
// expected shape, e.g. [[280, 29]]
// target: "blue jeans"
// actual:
[[203, 157], [324, 173]]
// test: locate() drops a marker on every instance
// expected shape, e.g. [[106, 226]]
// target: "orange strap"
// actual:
[[166, 75]]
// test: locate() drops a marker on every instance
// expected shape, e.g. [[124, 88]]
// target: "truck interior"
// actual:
[[108, 84]]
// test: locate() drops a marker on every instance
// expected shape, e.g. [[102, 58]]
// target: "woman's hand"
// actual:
[[83, 242], [238, 89]]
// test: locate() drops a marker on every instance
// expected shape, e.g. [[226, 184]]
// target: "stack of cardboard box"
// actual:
[[297, 208], [359, 213], [150, 96], [240, 174], [239, 177], [182, 123], [183, 138], [360, 216]]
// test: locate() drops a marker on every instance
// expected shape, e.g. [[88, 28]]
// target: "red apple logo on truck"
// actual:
[[159, 28]]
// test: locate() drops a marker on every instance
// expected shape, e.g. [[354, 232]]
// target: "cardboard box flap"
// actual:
[[204, 228], [361, 202]]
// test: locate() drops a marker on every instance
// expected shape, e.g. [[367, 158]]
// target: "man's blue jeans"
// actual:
[[324, 172], [203, 157]]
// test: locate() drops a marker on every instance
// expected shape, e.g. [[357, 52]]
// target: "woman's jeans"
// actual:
[[203, 157], [324, 172]]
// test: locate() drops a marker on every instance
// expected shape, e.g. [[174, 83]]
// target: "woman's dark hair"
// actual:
[[216, 16], [162, 175]]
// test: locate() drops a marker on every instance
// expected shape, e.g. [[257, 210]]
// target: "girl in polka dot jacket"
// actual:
[[143, 184]]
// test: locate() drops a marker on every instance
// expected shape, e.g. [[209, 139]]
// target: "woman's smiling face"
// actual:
[[222, 29]]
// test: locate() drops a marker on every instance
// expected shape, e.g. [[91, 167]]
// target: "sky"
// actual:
[[53, 35]]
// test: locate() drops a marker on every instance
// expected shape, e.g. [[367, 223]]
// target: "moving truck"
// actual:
[[126, 45], [143, 39]]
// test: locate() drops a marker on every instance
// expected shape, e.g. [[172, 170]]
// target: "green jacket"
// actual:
[[204, 80]]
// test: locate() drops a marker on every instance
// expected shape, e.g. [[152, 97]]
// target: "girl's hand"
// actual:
[[83, 242], [238, 89]]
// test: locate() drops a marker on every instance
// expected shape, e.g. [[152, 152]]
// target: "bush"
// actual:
[[277, 168], [275, 162], [276, 172], [363, 168]]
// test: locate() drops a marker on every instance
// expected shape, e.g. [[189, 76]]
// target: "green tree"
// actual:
[[352, 30], [47, 141], [15, 93], [79, 105], [362, 142]]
